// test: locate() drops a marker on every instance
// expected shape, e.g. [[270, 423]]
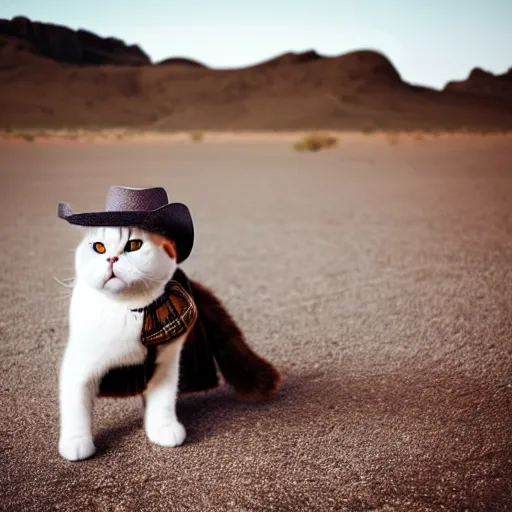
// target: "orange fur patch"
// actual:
[[170, 249], [167, 245]]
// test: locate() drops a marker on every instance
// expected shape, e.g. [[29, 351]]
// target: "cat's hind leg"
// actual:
[[160, 421]]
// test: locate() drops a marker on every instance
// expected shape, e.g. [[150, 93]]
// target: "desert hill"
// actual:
[[484, 83], [180, 61], [291, 58], [52, 76], [62, 44]]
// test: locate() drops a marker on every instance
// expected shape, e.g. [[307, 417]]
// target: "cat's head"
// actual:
[[121, 261]]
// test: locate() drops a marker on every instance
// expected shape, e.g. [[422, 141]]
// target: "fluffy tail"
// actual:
[[249, 374]]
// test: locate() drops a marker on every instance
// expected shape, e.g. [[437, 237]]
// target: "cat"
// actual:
[[119, 271]]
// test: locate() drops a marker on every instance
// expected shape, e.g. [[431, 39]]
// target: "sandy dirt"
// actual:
[[344, 137], [377, 276]]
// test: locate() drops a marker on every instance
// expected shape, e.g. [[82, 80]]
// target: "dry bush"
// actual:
[[316, 142], [14, 133], [196, 136], [369, 130], [393, 139], [22, 134], [69, 135]]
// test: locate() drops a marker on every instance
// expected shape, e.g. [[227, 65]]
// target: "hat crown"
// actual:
[[121, 199]]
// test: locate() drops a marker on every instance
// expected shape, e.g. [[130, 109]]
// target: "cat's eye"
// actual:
[[133, 245], [99, 247]]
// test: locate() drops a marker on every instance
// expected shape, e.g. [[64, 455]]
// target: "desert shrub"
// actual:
[[197, 136], [369, 129], [393, 139], [316, 142]]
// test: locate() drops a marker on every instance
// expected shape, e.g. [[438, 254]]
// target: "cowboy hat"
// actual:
[[145, 208]]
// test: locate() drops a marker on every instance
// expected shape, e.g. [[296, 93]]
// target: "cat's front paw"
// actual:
[[76, 448], [166, 433]]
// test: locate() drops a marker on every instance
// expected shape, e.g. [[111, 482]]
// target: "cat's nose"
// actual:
[[113, 259]]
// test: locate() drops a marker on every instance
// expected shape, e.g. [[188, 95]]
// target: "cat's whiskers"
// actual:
[[149, 284], [62, 283], [146, 277], [62, 297]]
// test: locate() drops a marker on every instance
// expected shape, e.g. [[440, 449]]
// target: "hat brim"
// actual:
[[173, 221]]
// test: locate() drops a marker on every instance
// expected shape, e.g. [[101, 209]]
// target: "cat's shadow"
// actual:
[[208, 415], [202, 414], [110, 438]]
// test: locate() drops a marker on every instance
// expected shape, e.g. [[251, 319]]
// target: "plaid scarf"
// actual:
[[168, 317]]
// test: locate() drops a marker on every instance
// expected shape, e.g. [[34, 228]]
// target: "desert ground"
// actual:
[[376, 275]]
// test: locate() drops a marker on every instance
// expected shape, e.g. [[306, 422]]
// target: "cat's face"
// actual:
[[124, 260]]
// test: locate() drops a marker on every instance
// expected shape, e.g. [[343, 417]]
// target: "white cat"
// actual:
[[124, 339], [117, 270]]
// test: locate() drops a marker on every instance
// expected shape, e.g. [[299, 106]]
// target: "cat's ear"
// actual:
[[169, 248]]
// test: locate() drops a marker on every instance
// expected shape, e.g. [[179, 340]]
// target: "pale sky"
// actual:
[[429, 41]]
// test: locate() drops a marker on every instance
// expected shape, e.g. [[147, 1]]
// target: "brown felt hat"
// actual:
[[145, 208]]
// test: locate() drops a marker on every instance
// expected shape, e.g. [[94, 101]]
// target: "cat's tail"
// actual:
[[249, 374]]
